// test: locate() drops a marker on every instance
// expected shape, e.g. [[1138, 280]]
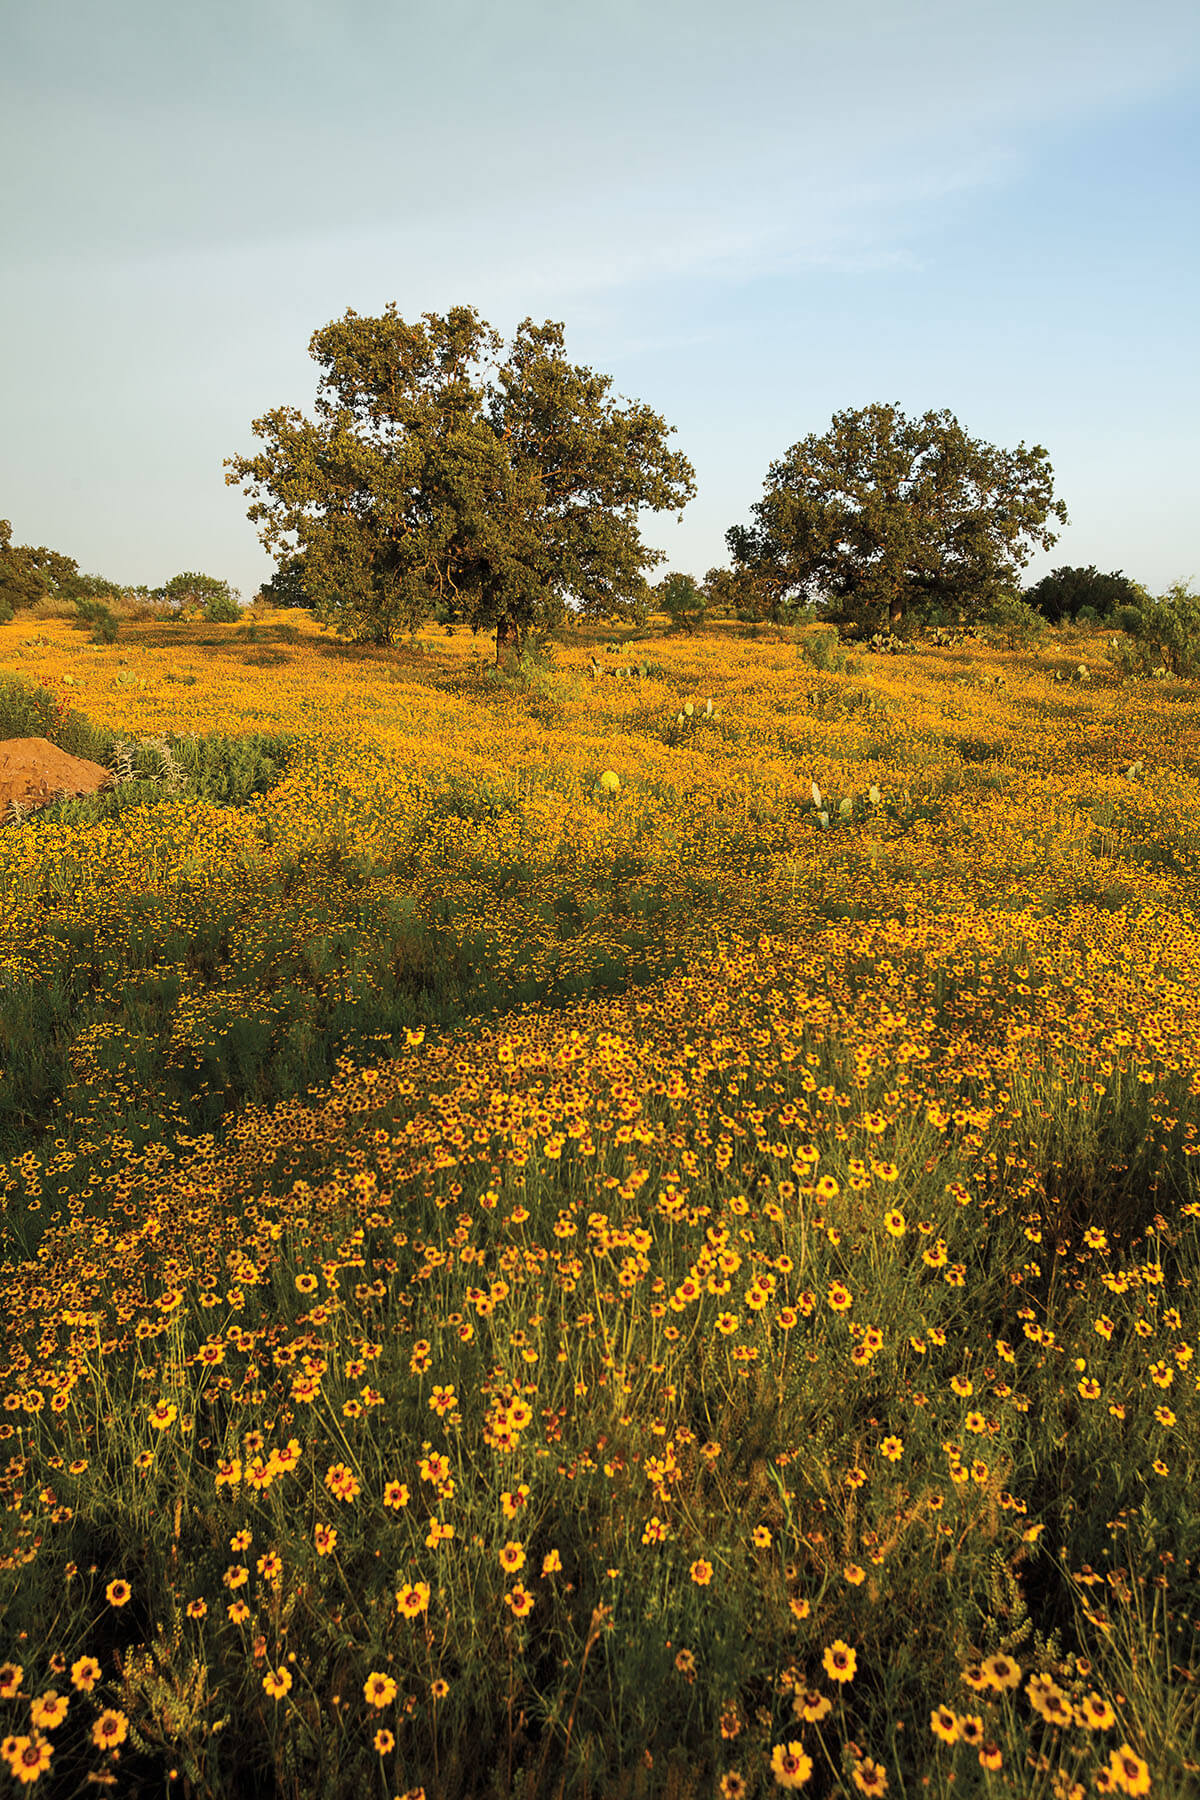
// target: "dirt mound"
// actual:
[[33, 772]]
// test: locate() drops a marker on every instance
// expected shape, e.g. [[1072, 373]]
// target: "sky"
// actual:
[[750, 216]]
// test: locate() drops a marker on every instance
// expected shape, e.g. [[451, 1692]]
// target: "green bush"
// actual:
[[1165, 634], [683, 600], [1013, 621], [28, 710], [191, 593], [229, 770], [222, 609], [101, 618], [823, 649]]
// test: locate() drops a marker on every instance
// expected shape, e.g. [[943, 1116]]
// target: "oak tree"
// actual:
[[1065, 592], [504, 493], [31, 572], [883, 515]]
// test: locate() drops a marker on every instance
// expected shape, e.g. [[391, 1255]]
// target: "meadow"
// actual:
[[523, 1284]]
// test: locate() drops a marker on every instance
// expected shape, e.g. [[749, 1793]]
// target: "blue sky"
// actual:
[[750, 216]]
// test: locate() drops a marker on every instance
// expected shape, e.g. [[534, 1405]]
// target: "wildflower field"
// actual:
[[578, 1233]]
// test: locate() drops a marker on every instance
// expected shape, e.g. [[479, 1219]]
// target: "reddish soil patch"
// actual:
[[33, 772]]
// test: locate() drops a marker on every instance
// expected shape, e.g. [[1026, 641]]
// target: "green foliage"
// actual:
[[884, 515], [98, 587], [193, 594], [1066, 592], [823, 649], [286, 586], [744, 593], [221, 609], [433, 477], [30, 573], [225, 770], [100, 617], [1162, 636], [1013, 621], [27, 710], [683, 600]]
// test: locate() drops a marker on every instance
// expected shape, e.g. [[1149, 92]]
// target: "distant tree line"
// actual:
[[32, 573]]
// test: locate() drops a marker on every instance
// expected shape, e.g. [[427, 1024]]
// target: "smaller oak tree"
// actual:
[[1065, 592], [683, 600], [882, 515]]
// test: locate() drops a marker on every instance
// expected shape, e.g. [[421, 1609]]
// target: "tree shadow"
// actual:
[[265, 658]]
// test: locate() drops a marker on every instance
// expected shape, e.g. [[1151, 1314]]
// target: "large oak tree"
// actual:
[[434, 475], [883, 514]]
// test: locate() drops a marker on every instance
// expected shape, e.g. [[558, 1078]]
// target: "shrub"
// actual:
[[228, 770], [823, 649], [222, 609], [191, 593], [1165, 634], [27, 710], [1013, 621], [683, 600], [100, 617]]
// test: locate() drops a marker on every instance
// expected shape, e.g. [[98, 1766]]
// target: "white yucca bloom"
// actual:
[[816, 794], [824, 818], [708, 707], [873, 794], [846, 807], [689, 709]]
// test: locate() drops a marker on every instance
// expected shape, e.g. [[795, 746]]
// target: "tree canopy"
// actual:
[[1064, 592], [436, 476], [884, 515], [208, 594], [29, 573], [682, 599]]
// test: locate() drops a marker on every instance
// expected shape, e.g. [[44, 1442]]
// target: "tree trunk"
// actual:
[[507, 640], [896, 610]]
